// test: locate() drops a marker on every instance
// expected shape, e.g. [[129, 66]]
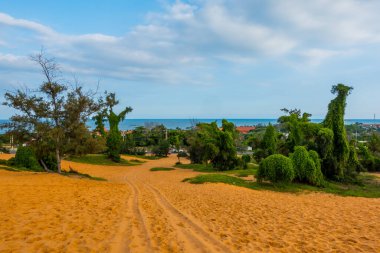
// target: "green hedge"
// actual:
[[276, 168]]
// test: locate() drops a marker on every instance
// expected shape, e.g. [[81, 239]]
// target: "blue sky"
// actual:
[[201, 59]]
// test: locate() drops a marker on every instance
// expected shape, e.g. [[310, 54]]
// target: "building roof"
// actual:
[[245, 129]]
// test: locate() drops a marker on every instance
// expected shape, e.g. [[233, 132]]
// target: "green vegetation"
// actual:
[[251, 169], [25, 158], [99, 159], [161, 149], [161, 169], [307, 166], [114, 138], [335, 121], [196, 167], [366, 185], [147, 157], [276, 168], [52, 118], [208, 143]]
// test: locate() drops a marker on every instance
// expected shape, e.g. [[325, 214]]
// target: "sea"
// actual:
[[129, 124]]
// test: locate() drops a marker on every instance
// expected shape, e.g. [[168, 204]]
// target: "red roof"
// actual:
[[245, 129]]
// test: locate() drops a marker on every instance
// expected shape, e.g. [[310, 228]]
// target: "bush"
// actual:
[[244, 160], [300, 159], [3, 162], [318, 179], [307, 166], [162, 149], [26, 158], [276, 168], [114, 141]]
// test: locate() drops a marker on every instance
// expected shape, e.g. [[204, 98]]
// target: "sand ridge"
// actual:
[[142, 211]]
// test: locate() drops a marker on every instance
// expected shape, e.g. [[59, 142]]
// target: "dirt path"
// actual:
[[142, 211]]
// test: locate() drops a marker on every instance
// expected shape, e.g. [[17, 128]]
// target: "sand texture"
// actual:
[[137, 210]]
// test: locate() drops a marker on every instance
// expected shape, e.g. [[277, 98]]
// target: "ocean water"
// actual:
[[128, 124]]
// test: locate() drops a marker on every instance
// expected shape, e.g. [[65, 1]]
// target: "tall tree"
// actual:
[[335, 121], [114, 138], [50, 114], [269, 143]]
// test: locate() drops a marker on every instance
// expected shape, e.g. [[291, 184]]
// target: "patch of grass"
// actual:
[[74, 173], [100, 159], [252, 168], [161, 169], [147, 157], [196, 167], [9, 168], [369, 186]]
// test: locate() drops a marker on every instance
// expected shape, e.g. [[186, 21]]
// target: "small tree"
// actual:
[[114, 138], [269, 143], [162, 149], [48, 115]]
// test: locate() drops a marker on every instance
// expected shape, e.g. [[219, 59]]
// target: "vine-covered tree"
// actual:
[[114, 138], [335, 121], [49, 115]]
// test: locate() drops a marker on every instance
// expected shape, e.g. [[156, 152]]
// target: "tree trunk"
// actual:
[[44, 165], [58, 160]]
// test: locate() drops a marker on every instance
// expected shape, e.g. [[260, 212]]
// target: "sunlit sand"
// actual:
[[137, 210]]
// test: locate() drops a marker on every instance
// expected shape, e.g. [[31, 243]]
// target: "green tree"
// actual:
[[161, 149], [335, 121], [48, 115], [114, 138], [269, 143], [226, 156]]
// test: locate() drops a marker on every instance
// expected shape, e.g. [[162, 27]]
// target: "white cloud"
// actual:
[[190, 38]]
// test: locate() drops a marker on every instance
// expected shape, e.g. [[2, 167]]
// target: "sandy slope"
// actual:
[[143, 211]]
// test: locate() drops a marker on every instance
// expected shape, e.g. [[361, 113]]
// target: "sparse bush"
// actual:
[[276, 168]]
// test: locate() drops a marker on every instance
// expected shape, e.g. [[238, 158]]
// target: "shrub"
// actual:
[[244, 160], [114, 141], [26, 158], [307, 166], [276, 168], [300, 159], [318, 179], [162, 149]]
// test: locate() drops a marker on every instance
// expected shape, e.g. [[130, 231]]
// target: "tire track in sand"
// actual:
[[198, 237], [142, 238]]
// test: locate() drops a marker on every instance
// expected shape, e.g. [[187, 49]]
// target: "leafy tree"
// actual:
[[226, 157], [202, 144], [335, 121], [48, 115], [99, 119], [162, 149], [114, 138], [269, 143], [276, 168]]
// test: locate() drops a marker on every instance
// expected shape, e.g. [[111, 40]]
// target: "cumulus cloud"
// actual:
[[188, 38]]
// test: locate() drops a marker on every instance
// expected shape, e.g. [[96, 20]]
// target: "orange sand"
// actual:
[[142, 211]]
